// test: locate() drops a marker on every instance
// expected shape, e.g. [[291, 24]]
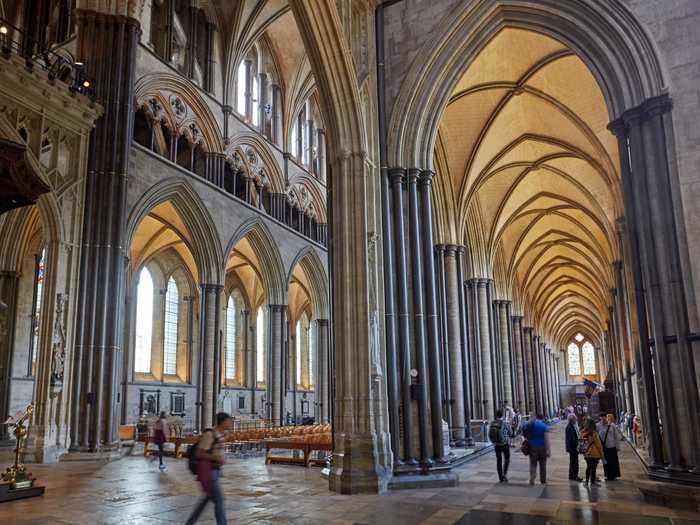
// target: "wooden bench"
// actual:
[[306, 444], [178, 442]]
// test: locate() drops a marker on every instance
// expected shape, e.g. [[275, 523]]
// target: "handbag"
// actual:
[[525, 447]]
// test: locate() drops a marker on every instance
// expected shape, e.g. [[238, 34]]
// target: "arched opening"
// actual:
[[161, 319]]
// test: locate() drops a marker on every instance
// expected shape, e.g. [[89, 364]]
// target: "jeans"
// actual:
[[216, 497], [591, 466], [538, 456], [502, 451], [573, 466]]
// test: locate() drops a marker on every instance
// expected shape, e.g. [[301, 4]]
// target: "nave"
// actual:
[[133, 491]]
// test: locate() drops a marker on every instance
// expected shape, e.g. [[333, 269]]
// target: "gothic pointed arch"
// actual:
[[177, 104], [257, 157], [205, 244], [265, 248], [310, 263], [604, 35]]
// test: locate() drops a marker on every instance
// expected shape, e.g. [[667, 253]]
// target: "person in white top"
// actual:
[[610, 437]]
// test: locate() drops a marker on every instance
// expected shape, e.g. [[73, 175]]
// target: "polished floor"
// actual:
[[133, 491]]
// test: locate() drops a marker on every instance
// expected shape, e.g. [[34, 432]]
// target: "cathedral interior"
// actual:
[[361, 228]]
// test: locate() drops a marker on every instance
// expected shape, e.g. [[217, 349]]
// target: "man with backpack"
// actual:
[[499, 435], [205, 460]]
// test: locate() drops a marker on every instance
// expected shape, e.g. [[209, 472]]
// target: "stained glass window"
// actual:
[[171, 324], [588, 358], [260, 345], [144, 322], [574, 357], [230, 339]]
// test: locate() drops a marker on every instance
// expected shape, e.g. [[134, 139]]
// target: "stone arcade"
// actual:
[[389, 217]]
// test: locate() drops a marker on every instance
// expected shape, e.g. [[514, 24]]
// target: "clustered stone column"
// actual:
[[107, 46], [414, 378], [209, 383], [9, 281], [660, 278], [275, 358], [323, 369], [520, 366]]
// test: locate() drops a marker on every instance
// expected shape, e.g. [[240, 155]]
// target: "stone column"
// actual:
[[464, 346], [475, 350], [517, 321], [9, 281], [397, 176], [623, 328], [503, 324], [311, 134], [262, 102], [321, 154], [455, 349], [530, 369], [210, 352], [276, 123], [431, 311], [421, 386], [276, 370], [487, 382], [444, 340], [362, 455], [107, 45], [323, 366], [650, 181], [537, 365]]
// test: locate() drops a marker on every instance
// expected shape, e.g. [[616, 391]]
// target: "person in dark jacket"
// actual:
[[572, 438]]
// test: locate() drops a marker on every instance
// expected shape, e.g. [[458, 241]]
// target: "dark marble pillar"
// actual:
[[517, 321], [432, 341], [107, 46]]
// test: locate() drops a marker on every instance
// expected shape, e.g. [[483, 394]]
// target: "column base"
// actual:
[[429, 480], [356, 468]]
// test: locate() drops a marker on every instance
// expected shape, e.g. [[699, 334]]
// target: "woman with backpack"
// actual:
[[592, 449]]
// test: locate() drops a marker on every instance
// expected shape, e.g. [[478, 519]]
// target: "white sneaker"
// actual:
[[163, 468]]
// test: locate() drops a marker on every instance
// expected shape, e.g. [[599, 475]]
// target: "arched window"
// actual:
[[144, 322], [297, 338], [172, 305], [230, 368], [240, 88], [36, 310], [260, 345], [574, 358], [588, 355], [311, 358]]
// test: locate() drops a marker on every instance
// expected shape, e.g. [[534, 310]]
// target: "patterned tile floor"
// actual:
[[133, 491]]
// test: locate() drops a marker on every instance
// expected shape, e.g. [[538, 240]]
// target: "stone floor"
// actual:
[[133, 491]]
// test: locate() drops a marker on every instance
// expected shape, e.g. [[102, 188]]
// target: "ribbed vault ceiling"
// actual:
[[533, 181]]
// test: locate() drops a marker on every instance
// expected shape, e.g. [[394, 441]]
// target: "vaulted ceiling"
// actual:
[[530, 177]]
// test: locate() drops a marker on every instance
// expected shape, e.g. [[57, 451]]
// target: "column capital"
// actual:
[[412, 175], [277, 307], [397, 175], [517, 318], [227, 110], [426, 177], [322, 322], [450, 250], [527, 329], [440, 248], [209, 288]]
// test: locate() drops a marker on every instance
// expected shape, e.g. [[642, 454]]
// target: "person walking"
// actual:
[[209, 456], [592, 450], [571, 441], [610, 437], [537, 434], [499, 435], [160, 437]]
